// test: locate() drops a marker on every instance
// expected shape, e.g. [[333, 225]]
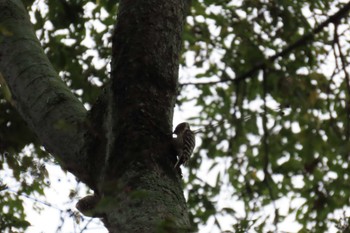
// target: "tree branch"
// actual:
[[40, 96], [308, 37]]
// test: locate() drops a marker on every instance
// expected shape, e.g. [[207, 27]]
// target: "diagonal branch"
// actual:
[[40, 96], [307, 38]]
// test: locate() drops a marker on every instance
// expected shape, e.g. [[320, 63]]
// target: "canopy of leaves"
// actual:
[[273, 92]]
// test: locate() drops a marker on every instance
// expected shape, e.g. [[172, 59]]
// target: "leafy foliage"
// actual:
[[281, 124], [273, 99]]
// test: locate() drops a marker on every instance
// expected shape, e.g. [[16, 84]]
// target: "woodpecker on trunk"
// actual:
[[184, 142]]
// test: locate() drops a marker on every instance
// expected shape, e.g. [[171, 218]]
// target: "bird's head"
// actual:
[[181, 127]]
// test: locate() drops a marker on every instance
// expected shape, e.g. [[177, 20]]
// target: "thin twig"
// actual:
[[347, 78], [308, 37]]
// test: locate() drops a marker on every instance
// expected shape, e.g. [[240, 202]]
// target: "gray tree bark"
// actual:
[[39, 95], [122, 148]]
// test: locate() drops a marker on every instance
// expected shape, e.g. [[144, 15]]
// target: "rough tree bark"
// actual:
[[122, 149]]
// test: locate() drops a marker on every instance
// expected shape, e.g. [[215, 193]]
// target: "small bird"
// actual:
[[184, 143]]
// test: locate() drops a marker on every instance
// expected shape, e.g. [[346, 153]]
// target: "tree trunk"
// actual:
[[146, 47], [123, 148]]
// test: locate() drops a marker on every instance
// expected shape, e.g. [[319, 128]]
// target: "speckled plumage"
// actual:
[[184, 143]]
